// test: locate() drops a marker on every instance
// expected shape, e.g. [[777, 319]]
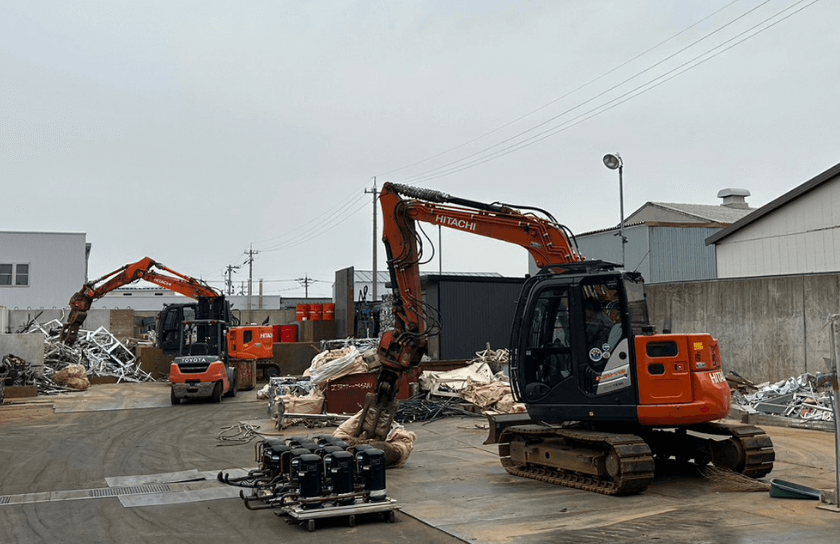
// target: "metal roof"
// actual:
[[767, 209], [365, 276], [701, 212]]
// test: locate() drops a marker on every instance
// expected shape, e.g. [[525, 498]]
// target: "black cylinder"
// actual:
[[359, 447], [290, 456], [324, 450], [340, 443], [324, 439], [371, 465], [294, 441], [308, 469], [273, 458], [341, 467]]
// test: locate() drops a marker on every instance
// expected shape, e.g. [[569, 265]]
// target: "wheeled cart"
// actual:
[[307, 516]]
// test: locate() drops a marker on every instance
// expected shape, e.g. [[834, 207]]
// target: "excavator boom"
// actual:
[[81, 301], [402, 347]]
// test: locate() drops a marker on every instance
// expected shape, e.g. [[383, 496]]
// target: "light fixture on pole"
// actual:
[[613, 161]]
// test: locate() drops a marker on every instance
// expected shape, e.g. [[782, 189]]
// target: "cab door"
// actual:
[[555, 361]]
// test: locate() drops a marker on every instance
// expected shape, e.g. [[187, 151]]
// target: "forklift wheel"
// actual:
[[217, 392], [232, 379], [175, 400]]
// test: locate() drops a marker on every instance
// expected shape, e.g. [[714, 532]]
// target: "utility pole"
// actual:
[[305, 281], [229, 282], [250, 262], [375, 241]]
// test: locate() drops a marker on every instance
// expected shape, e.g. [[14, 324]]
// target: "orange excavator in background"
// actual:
[[143, 269], [205, 335], [606, 396]]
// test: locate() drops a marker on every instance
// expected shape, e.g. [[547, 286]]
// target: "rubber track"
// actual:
[[635, 458], [757, 446]]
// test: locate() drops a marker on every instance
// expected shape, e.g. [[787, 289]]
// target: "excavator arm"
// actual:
[[402, 347], [141, 270]]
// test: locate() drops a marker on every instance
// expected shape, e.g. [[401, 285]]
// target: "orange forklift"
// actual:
[[204, 334]]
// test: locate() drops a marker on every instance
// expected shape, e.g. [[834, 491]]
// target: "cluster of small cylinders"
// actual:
[[326, 470]]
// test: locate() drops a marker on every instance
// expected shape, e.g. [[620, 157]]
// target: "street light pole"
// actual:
[[613, 161]]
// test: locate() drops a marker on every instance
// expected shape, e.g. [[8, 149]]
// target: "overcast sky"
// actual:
[[190, 132]]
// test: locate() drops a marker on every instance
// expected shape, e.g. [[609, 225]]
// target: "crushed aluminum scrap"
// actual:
[[804, 397], [99, 352], [424, 410]]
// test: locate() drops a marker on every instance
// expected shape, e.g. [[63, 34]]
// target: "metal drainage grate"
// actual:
[[132, 490], [5, 500]]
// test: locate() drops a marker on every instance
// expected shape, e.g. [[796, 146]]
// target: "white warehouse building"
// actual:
[[798, 233], [41, 269]]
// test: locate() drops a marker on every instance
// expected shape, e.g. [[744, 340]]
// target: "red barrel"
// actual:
[[316, 312], [288, 333], [302, 313], [329, 312]]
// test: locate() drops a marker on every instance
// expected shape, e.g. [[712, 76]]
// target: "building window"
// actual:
[[14, 275]]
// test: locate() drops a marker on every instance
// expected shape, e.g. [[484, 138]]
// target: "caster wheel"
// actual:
[[351, 520], [310, 525]]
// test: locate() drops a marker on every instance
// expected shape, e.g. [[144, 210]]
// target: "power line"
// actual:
[[326, 228], [569, 93], [649, 85], [343, 203]]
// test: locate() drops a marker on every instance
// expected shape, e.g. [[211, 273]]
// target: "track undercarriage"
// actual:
[[622, 464]]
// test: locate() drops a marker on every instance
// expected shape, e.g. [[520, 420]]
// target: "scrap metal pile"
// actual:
[[482, 383], [805, 397], [424, 410], [17, 372], [98, 353]]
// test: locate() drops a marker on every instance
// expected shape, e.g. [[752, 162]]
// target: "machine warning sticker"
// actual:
[[605, 347], [698, 346], [595, 355]]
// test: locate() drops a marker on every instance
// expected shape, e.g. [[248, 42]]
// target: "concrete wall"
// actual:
[[769, 328]]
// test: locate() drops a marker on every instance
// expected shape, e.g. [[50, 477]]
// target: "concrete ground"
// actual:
[[118, 463]]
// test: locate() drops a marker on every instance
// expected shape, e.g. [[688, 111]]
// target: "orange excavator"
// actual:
[[606, 396], [143, 269], [205, 335]]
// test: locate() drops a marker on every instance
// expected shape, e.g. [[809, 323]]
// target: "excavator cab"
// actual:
[[171, 319], [573, 343]]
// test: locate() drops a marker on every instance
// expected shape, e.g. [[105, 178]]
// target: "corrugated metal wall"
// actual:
[[473, 312], [606, 246], [659, 253], [680, 254]]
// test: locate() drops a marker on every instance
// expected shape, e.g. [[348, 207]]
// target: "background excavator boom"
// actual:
[[141, 270]]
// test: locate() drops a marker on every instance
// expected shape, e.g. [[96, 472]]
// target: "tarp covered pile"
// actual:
[[476, 383], [801, 397], [306, 395], [291, 399]]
